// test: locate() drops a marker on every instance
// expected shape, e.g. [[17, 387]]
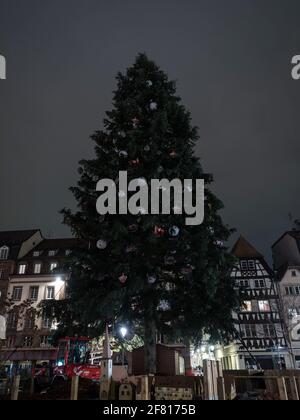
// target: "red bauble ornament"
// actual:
[[159, 231], [135, 162], [123, 278], [135, 122]]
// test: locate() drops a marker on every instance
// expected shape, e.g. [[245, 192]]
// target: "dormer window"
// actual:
[[4, 253], [52, 253], [37, 253]]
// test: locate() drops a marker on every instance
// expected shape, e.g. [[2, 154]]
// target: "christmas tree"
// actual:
[[152, 272]]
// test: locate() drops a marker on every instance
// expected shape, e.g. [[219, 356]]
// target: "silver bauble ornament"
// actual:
[[174, 231], [153, 106], [101, 244], [151, 279]]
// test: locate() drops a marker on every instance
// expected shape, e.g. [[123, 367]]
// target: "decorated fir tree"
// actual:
[[152, 272]]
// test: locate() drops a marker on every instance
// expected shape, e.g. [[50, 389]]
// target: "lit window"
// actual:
[[22, 269], [247, 306], [53, 266], [4, 253], [52, 253], [17, 293], [50, 292], [37, 268], [68, 252], [37, 253], [264, 306], [34, 293]]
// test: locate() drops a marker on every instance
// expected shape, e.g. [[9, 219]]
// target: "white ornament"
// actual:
[[147, 148], [123, 154], [151, 279], [149, 83], [123, 278], [135, 122], [101, 244], [174, 231], [164, 305], [153, 106]]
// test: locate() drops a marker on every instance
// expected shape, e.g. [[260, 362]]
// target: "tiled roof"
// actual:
[[243, 249], [16, 237], [65, 243], [294, 233], [14, 240], [60, 246]]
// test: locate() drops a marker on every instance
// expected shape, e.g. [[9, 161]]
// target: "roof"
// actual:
[[284, 268], [16, 237], [58, 245], [293, 233], [243, 249], [65, 243], [14, 240]]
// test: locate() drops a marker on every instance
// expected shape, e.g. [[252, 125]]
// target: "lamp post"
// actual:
[[123, 332]]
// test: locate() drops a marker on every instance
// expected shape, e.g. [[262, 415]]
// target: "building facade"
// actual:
[[260, 339], [286, 257], [37, 276], [13, 246]]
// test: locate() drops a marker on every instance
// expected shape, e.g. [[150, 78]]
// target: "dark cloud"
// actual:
[[231, 60]]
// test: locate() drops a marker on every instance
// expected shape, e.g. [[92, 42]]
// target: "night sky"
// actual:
[[232, 61]]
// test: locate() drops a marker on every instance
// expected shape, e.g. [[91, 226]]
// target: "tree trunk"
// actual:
[[150, 341]]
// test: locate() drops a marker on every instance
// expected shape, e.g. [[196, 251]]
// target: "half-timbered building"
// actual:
[[260, 339]]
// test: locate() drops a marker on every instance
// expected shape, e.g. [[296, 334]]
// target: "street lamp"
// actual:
[[123, 332]]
